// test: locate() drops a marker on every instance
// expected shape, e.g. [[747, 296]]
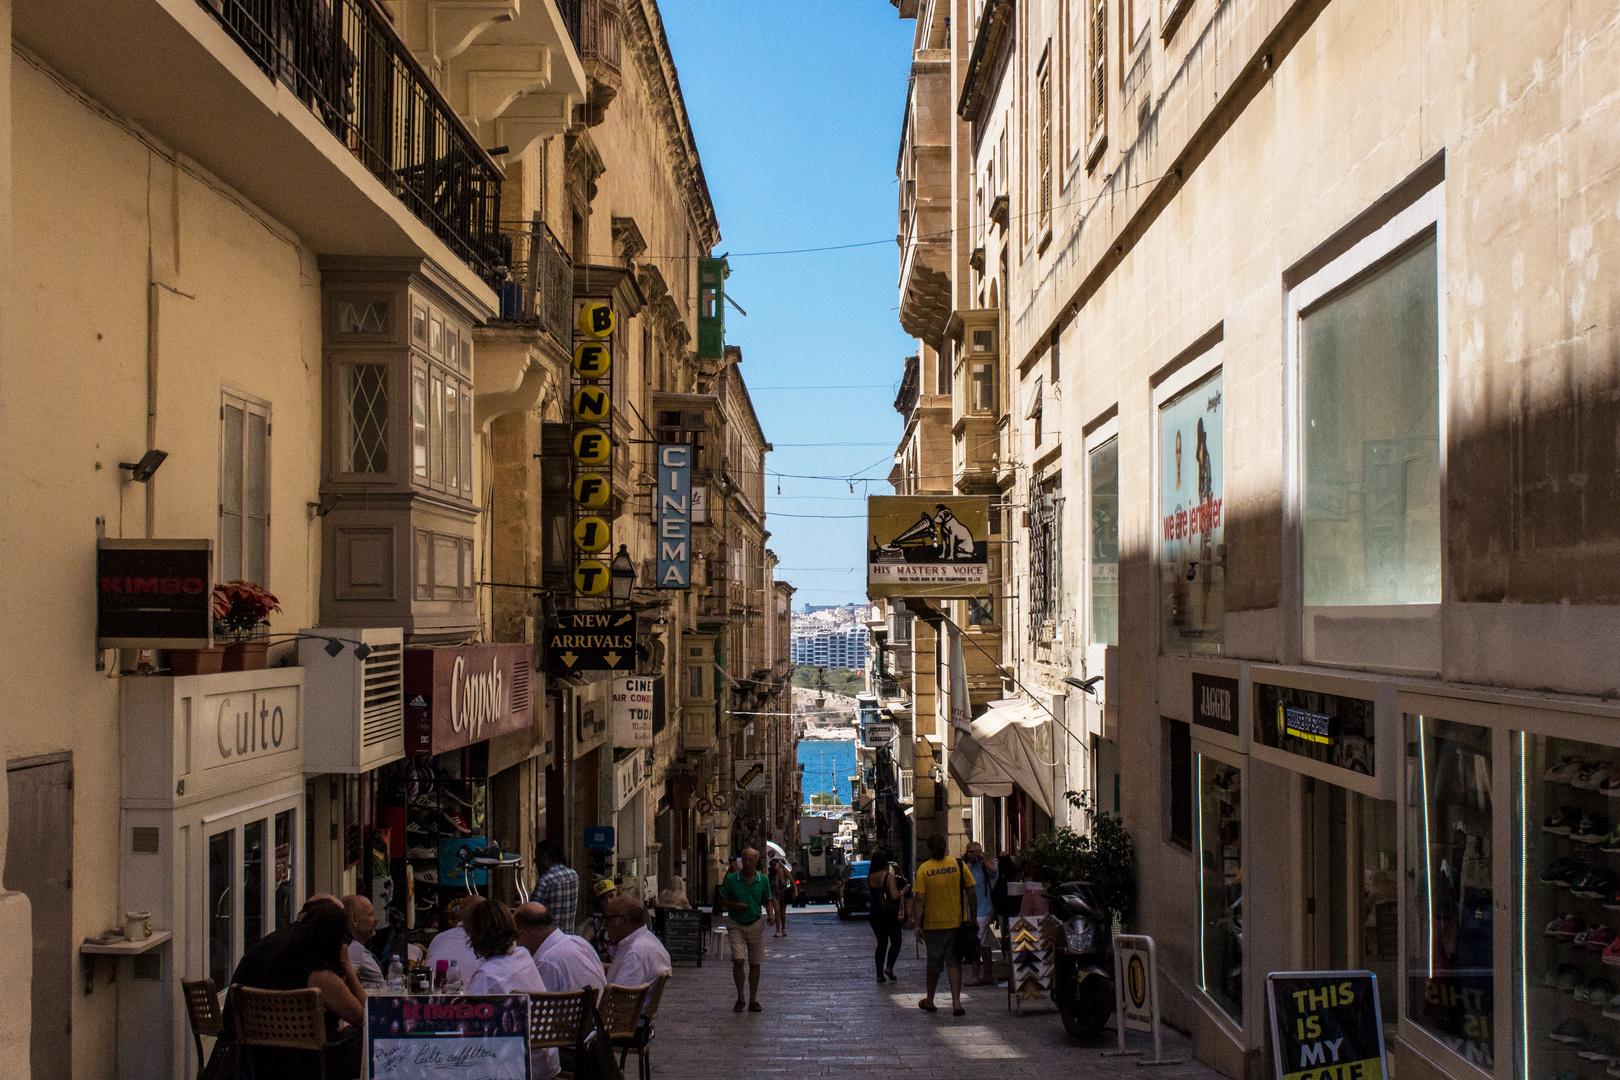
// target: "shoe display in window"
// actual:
[[1599, 992], [1596, 1048], [1598, 940], [1570, 1031], [1592, 775], [1564, 928], [1569, 980], [421, 851], [1554, 977], [429, 876], [1611, 953], [1561, 823], [1611, 786]]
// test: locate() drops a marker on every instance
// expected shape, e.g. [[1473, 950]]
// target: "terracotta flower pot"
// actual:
[[196, 661], [245, 656]]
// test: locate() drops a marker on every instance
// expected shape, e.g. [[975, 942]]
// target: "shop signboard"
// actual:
[[456, 697], [417, 1038], [154, 594], [1136, 995], [599, 837], [681, 931], [880, 734], [456, 855], [1330, 728], [1325, 1025], [1192, 543], [629, 774], [749, 774], [926, 546], [630, 710], [248, 725], [599, 640], [1215, 702], [672, 509]]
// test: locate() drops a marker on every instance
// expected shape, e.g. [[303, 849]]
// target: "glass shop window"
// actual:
[[1450, 972], [1104, 554], [1220, 892], [1566, 859]]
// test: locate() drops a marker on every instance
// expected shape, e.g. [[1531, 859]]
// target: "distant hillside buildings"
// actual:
[[830, 637]]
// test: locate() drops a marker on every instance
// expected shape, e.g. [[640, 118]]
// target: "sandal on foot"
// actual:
[[890, 973], [927, 1006], [739, 1007], [959, 1011], [754, 1006]]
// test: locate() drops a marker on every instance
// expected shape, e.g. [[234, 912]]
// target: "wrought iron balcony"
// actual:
[[539, 289], [597, 29], [343, 60]]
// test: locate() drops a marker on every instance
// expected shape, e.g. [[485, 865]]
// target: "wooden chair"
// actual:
[[284, 1019], [561, 1021], [202, 1009], [638, 1034]]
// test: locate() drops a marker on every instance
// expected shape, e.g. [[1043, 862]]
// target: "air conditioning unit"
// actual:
[[354, 706]]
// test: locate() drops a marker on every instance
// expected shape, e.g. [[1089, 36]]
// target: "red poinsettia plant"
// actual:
[[241, 607]]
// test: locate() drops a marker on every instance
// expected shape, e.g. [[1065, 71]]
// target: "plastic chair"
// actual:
[[202, 1009], [284, 1019]]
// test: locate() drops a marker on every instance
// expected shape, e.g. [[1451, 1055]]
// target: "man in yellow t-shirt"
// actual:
[[939, 891]]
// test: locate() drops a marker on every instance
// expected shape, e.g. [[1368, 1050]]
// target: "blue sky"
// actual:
[[797, 110]]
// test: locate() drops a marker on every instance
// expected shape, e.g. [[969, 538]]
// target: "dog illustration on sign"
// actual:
[[938, 537]]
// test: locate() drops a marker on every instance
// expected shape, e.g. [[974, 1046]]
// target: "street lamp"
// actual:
[[621, 575]]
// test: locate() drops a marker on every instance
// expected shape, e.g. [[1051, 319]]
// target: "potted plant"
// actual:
[[241, 609], [1102, 856]]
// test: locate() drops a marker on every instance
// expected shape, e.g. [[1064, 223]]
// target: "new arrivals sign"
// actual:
[[927, 546], [154, 594]]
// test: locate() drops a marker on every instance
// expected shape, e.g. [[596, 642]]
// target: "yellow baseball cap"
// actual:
[[603, 887]]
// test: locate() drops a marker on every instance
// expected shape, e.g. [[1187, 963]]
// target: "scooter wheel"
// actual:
[[1086, 1010]]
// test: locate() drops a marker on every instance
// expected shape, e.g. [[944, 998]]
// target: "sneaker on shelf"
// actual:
[[416, 828], [1611, 953], [1563, 770], [421, 851], [1611, 786], [1591, 828], [454, 823], [1579, 880], [1582, 935], [1565, 928], [1561, 823], [1598, 940], [1610, 841], [1596, 1048], [1570, 1031], [1561, 872], [1592, 775], [1599, 992], [429, 876], [1570, 980], [1554, 976], [1596, 885], [1613, 1070]]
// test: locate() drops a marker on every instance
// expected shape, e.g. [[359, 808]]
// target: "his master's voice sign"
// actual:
[[1325, 1025]]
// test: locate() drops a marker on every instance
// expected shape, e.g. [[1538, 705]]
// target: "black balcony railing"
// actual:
[[540, 287], [341, 58]]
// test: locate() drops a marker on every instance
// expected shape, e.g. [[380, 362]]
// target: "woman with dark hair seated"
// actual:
[[316, 955], [506, 968]]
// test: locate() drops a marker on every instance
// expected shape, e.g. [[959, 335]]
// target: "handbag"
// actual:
[[967, 934]]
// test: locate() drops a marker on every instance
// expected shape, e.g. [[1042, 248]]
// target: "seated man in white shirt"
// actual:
[[452, 944], [567, 962], [505, 969], [362, 924], [640, 957]]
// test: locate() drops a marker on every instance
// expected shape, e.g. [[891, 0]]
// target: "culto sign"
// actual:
[[154, 594], [248, 724], [465, 695]]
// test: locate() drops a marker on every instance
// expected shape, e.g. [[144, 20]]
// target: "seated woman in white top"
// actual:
[[506, 969]]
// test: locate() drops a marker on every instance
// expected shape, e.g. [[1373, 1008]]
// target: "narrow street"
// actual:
[[825, 1015]]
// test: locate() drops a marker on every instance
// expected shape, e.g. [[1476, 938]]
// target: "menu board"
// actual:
[[682, 934], [1325, 1025], [443, 1036]]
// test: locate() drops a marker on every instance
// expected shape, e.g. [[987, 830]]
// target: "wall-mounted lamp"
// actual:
[[141, 471], [621, 575], [1088, 686], [328, 503]]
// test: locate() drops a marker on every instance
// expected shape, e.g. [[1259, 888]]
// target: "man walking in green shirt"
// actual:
[[747, 894]]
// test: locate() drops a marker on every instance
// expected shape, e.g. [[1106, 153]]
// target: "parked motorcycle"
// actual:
[[1083, 969]]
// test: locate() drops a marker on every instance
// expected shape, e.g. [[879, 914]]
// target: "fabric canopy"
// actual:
[[1010, 745]]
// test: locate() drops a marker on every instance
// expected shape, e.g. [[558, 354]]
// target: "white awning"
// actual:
[[1010, 745]]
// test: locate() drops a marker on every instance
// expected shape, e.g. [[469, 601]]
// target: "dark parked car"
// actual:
[[852, 891]]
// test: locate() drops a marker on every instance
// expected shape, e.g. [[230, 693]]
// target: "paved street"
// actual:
[[825, 1014]]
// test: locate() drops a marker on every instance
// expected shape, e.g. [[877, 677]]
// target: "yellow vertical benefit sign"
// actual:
[[1326, 1025], [592, 447]]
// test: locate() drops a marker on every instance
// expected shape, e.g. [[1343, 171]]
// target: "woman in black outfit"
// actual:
[[886, 892], [316, 955]]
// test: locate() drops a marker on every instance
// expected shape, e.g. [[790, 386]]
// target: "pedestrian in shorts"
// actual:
[[747, 895], [942, 890]]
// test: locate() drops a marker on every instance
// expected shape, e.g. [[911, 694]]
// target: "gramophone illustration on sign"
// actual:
[[930, 542]]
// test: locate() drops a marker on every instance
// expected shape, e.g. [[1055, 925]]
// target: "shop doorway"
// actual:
[[1351, 899], [39, 864]]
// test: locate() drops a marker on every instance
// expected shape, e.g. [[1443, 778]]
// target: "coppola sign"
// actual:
[[456, 697], [154, 594]]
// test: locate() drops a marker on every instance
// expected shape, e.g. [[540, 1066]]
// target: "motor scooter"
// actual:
[[1083, 969]]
